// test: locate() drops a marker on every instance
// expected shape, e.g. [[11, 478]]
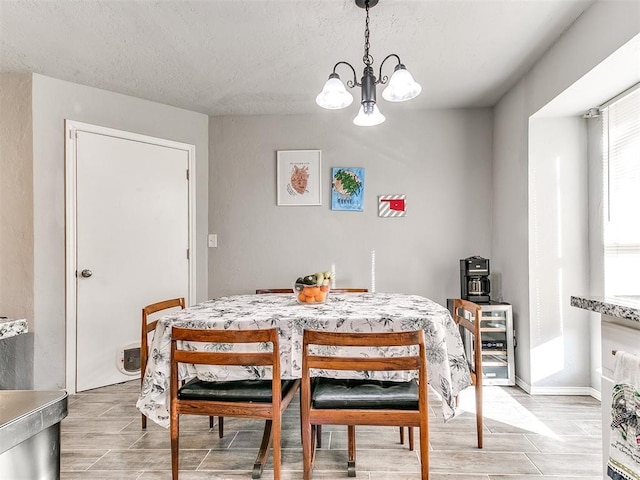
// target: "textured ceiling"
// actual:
[[273, 56]]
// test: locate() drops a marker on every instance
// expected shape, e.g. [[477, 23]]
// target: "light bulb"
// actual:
[[369, 116], [402, 86], [334, 95]]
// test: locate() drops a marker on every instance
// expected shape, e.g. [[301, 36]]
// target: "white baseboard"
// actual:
[[589, 391], [523, 385]]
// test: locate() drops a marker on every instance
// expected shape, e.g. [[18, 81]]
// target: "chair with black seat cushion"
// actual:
[[266, 399], [362, 401]]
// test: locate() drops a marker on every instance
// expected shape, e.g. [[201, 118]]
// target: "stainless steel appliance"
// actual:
[[30, 434], [475, 285]]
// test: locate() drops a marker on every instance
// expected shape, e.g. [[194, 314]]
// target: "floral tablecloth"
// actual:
[[448, 372]]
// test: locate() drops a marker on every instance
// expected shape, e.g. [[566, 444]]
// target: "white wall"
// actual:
[[53, 102], [558, 252], [440, 159], [599, 32], [16, 197]]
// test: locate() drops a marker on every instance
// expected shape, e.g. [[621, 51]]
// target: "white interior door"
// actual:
[[132, 228]]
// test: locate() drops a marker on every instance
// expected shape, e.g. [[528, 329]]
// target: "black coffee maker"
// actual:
[[475, 285]]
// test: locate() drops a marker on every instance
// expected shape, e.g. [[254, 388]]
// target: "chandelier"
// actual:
[[401, 86]]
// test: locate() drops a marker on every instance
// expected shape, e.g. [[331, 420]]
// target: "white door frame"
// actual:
[[71, 129]]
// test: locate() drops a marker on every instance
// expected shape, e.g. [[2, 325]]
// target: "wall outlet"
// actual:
[[213, 240]]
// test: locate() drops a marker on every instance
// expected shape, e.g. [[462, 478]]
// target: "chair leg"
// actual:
[[144, 421], [220, 427], [308, 436], [210, 421], [276, 447], [424, 453], [351, 463], [401, 435], [175, 447], [411, 444], [263, 453], [479, 417], [318, 436]]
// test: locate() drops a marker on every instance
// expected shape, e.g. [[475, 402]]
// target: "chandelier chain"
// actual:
[[367, 59]]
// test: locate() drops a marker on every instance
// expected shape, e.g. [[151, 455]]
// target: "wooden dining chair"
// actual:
[[468, 315], [351, 402], [266, 399], [334, 290], [147, 328], [290, 290]]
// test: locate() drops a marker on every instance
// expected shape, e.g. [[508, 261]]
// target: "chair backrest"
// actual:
[[468, 315], [157, 307], [274, 290], [356, 362], [245, 359], [290, 290], [349, 290]]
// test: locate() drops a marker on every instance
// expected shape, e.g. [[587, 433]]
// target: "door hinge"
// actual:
[[187, 254], [187, 174]]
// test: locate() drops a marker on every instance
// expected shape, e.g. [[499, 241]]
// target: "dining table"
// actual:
[[447, 367], [448, 371]]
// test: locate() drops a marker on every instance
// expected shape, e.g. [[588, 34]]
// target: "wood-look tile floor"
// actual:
[[526, 438]]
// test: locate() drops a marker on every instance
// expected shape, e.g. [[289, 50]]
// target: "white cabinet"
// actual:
[[606, 386], [617, 334]]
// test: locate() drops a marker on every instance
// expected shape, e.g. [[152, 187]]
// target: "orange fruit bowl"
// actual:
[[311, 294]]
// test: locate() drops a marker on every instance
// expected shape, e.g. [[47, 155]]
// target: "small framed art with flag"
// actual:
[[392, 205]]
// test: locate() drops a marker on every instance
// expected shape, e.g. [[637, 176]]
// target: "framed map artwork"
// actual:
[[298, 178], [347, 189]]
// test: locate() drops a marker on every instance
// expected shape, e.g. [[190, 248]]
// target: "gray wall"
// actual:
[[602, 29], [440, 159], [53, 102], [16, 197]]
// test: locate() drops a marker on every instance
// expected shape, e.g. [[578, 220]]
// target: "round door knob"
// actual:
[[86, 273]]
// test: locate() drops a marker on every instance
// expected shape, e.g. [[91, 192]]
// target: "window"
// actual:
[[621, 149]]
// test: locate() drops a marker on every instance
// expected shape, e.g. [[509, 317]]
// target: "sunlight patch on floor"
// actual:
[[501, 407]]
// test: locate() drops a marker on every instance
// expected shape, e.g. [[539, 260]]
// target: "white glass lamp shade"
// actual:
[[334, 95], [374, 117], [402, 86]]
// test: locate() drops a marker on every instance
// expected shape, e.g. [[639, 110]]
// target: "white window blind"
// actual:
[[621, 148]]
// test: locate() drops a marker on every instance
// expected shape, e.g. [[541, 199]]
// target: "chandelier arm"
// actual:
[[350, 83], [382, 80]]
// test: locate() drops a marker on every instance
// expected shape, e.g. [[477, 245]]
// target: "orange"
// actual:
[[311, 291], [301, 297], [324, 288], [310, 300], [321, 297]]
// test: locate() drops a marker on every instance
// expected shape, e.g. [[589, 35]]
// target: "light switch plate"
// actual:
[[213, 240]]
